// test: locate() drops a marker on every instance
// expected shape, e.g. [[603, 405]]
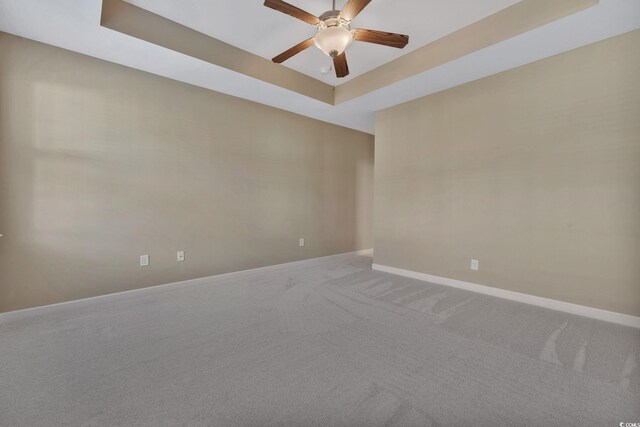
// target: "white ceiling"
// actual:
[[262, 31], [75, 25]]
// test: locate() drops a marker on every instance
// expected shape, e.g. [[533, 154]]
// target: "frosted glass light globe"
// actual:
[[333, 40]]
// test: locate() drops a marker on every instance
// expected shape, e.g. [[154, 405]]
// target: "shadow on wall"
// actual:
[[60, 197]]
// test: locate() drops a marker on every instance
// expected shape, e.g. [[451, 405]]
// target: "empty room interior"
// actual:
[[319, 213]]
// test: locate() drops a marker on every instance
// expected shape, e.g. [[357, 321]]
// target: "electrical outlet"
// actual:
[[144, 260], [180, 255], [475, 264], [301, 243]]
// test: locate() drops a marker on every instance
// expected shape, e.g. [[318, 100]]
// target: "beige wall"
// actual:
[[100, 164], [535, 172]]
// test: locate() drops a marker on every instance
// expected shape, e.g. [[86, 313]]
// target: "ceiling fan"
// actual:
[[334, 34]]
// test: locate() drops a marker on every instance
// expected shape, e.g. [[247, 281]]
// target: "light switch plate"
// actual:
[[180, 255], [301, 242], [144, 260], [475, 264]]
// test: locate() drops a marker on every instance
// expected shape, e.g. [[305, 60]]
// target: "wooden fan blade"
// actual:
[[293, 51], [380, 37], [291, 10], [353, 8], [341, 66]]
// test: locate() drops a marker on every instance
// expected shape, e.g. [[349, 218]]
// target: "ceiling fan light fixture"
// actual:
[[333, 40], [334, 32]]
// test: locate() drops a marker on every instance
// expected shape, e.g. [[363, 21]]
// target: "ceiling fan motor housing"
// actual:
[[330, 14]]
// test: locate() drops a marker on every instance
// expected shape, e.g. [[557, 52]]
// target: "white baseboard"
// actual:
[[567, 307], [45, 309]]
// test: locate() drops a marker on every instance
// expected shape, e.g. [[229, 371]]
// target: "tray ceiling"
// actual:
[[250, 26]]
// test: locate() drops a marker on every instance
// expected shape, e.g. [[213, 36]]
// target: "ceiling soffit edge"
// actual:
[[118, 15], [524, 16]]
